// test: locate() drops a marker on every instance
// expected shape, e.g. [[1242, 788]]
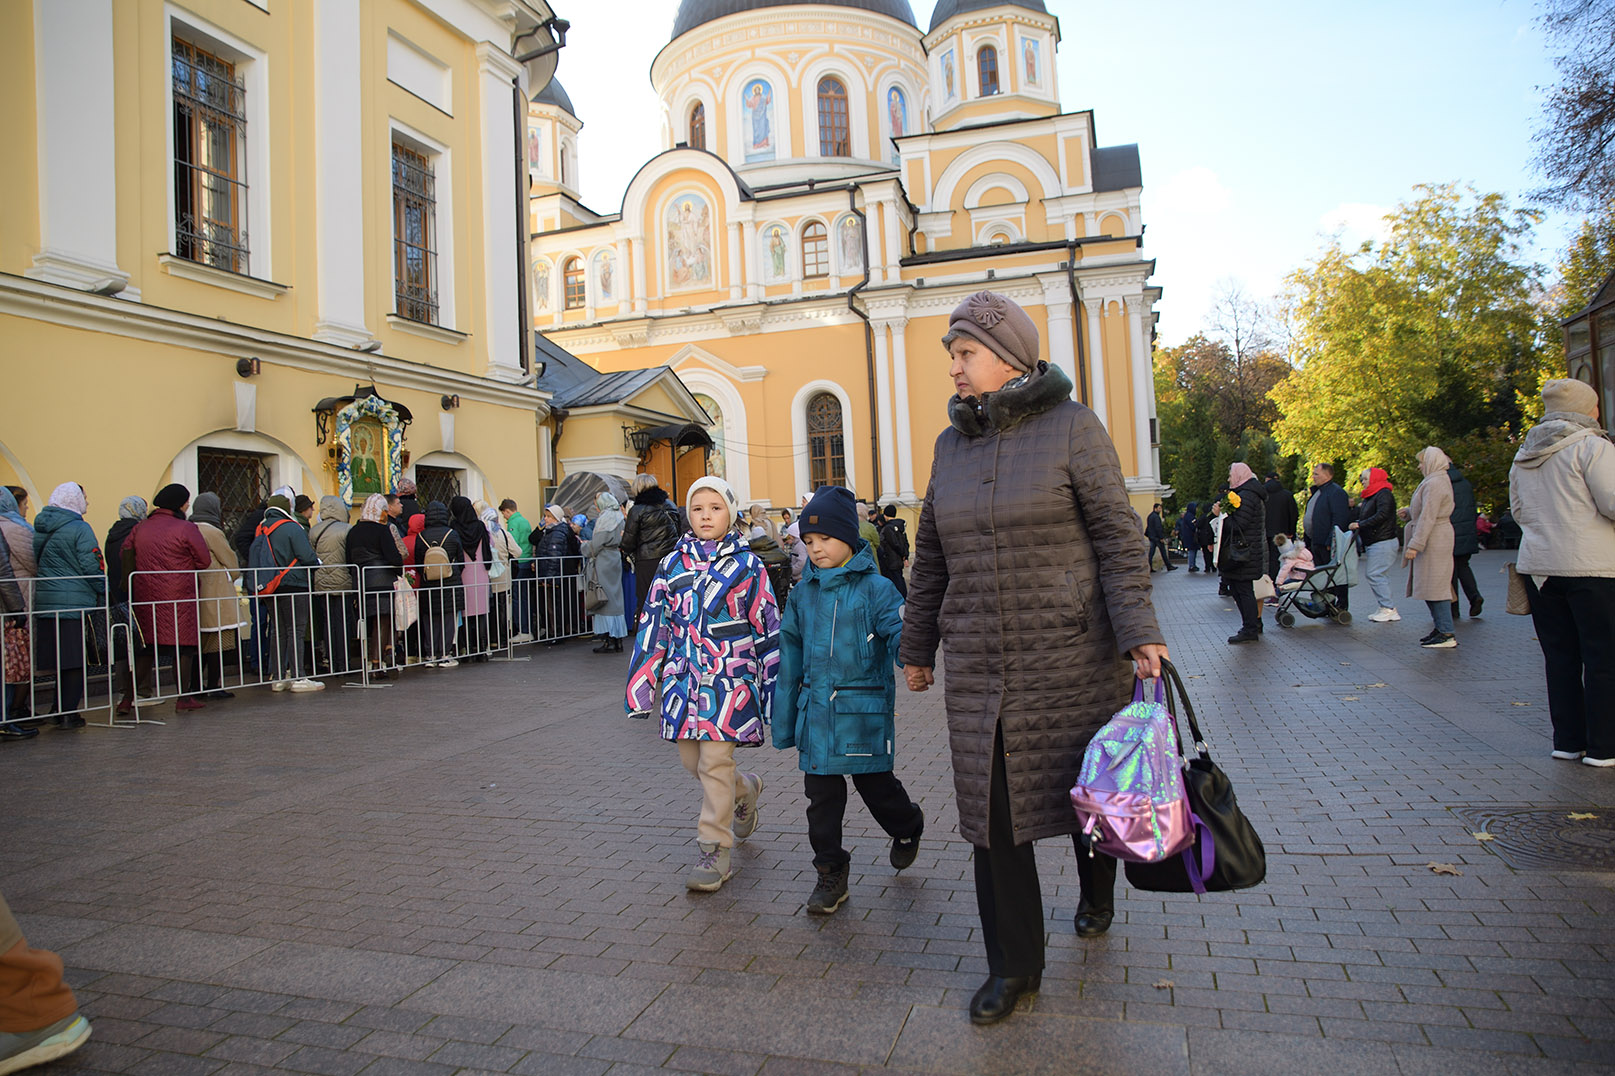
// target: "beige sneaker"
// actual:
[[711, 869], [746, 807]]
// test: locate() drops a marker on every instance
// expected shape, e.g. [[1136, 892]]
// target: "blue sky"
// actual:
[[1262, 126]]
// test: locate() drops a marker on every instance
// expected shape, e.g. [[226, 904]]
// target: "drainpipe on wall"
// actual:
[[525, 356], [1078, 324], [869, 344]]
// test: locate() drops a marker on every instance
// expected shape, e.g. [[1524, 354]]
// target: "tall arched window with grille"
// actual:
[[827, 463], [698, 126], [835, 130], [987, 70], [815, 251], [572, 281]]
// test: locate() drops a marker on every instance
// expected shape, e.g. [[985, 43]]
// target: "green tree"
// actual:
[[1427, 339]]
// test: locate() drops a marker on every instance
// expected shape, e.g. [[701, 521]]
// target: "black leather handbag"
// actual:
[[1226, 854]]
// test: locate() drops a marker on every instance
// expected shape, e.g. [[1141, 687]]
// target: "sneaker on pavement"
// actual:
[[1474, 607], [17, 732], [746, 807], [280, 685], [1441, 640], [831, 891], [306, 684], [24, 1049], [522, 637], [1569, 756], [451, 663], [184, 705], [711, 869], [1600, 762], [1385, 616], [904, 851]]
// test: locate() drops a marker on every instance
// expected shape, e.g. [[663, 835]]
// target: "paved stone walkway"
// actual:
[[481, 870]]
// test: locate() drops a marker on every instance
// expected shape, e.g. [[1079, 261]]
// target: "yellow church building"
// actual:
[[834, 181], [249, 243]]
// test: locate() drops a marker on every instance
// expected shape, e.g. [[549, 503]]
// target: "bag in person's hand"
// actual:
[[1129, 793], [1226, 853], [1519, 599], [595, 597], [406, 605], [1263, 588]]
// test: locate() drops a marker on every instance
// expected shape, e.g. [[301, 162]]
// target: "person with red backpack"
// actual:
[[286, 589]]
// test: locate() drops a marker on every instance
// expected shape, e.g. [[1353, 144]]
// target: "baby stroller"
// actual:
[[1310, 595]]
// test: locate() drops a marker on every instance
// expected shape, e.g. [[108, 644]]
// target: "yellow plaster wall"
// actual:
[[593, 435]]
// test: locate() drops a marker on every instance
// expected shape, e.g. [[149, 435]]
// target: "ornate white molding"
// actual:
[[430, 332], [186, 269]]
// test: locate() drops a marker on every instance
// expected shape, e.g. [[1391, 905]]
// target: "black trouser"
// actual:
[[1464, 576], [644, 576], [1007, 893], [1166, 559], [1272, 561], [1209, 566], [1574, 617], [883, 794], [1250, 610], [897, 581]]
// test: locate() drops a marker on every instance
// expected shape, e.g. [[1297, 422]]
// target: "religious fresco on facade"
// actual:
[[776, 254], [605, 277], [716, 464], [1032, 61], [689, 242], [852, 245], [370, 445], [535, 151], [366, 458], [950, 76], [757, 126], [897, 116], [541, 285]]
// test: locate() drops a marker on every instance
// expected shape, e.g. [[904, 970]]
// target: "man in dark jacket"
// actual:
[[290, 609], [1328, 511], [1186, 531], [1155, 531], [1282, 516], [1465, 540], [892, 553]]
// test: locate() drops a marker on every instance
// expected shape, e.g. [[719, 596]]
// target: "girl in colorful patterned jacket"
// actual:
[[705, 659]]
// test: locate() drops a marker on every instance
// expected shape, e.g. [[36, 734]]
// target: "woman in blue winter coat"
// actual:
[[69, 589], [837, 692]]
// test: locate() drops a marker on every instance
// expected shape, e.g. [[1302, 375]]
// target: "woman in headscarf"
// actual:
[[1428, 546], [164, 555], [218, 602], [410, 506], [70, 586], [1242, 553], [18, 668], [501, 572], [378, 556], [759, 518], [413, 526], [477, 550], [555, 545], [603, 566], [443, 598]]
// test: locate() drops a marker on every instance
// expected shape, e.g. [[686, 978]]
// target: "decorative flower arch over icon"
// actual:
[[373, 453]]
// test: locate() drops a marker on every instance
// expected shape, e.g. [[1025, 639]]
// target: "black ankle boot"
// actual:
[[1092, 922], [997, 997]]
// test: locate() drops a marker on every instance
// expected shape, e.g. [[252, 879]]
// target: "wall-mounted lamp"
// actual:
[[450, 402], [248, 367]]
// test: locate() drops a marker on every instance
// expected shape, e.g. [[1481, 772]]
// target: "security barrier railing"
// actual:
[[57, 649]]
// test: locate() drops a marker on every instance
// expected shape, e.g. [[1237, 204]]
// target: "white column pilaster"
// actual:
[[624, 287], [1057, 307], [76, 109], [905, 434], [754, 281], [496, 71], [1139, 349], [735, 267], [1096, 360], [883, 408], [894, 244], [339, 246], [637, 246]]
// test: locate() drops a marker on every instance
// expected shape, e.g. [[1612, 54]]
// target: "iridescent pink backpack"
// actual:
[[1130, 795]]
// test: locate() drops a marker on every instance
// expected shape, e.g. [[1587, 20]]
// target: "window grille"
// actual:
[[210, 159], [827, 464], [698, 126], [414, 235], [835, 133], [440, 484], [241, 479], [815, 251], [577, 292], [987, 69]]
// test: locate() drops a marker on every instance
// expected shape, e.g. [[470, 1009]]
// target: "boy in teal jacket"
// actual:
[[836, 693]]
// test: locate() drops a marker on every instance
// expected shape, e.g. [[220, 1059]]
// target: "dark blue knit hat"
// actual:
[[832, 511]]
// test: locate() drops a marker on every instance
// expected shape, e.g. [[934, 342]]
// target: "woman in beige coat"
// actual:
[[1428, 548], [218, 604]]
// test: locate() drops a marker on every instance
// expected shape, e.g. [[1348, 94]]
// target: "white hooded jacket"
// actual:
[[1562, 494]]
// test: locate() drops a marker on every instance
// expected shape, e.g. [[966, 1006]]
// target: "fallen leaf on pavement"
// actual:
[[1580, 816], [1350, 698], [1163, 984], [1376, 685], [1443, 868], [1484, 836], [1519, 704]]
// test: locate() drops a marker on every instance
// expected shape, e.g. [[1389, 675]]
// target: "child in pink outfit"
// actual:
[[1295, 560]]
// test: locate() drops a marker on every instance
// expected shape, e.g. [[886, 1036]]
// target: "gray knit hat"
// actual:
[[1000, 324]]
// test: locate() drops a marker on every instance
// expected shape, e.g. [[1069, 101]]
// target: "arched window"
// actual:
[[698, 126], [827, 463], [815, 251], [572, 280], [835, 132], [987, 70]]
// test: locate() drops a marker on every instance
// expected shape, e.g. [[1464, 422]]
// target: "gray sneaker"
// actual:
[[746, 807], [711, 869], [24, 1049]]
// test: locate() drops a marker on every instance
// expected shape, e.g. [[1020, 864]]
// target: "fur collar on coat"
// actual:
[[1030, 394]]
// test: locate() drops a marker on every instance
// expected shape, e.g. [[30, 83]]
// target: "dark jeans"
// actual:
[[336, 626], [898, 581], [289, 616], [1007, 893], [1574, 618], [883, 794], [1166, 559], [1250, 611], [1464, 576], [1207, 552], [521, 596]]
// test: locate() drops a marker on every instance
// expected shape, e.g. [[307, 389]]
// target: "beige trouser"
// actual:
[[713, 761]]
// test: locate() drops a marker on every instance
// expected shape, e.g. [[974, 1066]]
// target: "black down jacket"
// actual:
[[1242, 553], [1029, 572], [653, 527]]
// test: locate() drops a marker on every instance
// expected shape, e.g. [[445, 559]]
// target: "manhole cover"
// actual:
[[1526, 837]]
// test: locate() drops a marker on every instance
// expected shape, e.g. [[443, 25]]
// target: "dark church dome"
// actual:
[[693, 13], [947, 9], [555, 94]]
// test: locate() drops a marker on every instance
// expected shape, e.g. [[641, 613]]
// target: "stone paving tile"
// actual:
[[273, 886]]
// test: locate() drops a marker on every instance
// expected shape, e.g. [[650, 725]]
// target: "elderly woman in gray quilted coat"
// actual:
[[1029, 572]]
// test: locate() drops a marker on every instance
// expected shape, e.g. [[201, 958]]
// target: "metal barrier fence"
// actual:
[[182, 636]]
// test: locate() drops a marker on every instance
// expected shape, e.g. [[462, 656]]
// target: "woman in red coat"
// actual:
[[165, 553]]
